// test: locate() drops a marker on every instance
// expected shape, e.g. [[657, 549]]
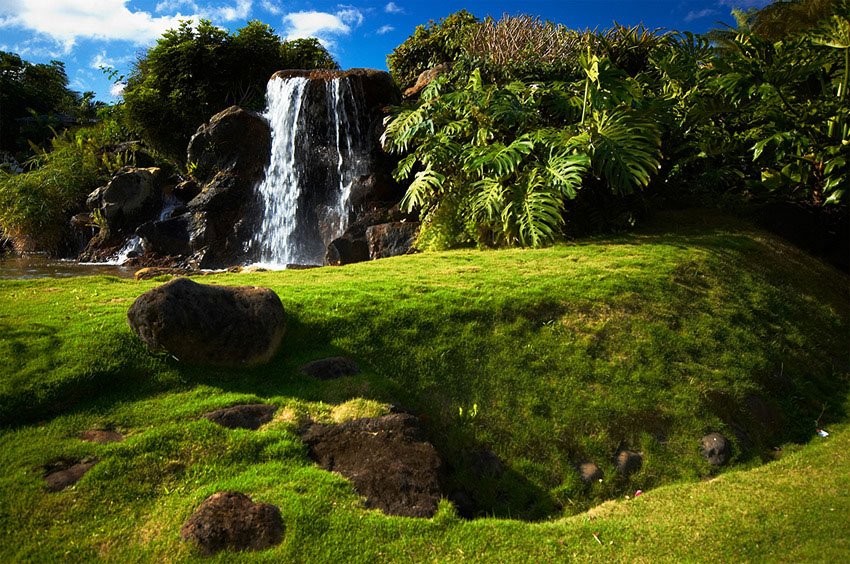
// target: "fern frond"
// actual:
[[625, 150], [426, 184]]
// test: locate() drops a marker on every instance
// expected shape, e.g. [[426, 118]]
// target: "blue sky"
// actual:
[[88, 34]]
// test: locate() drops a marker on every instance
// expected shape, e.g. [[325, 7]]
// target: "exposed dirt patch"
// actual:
[[230, 520], [101, 436], [249, 416], [330, 368], [65, 473], [386, 458]]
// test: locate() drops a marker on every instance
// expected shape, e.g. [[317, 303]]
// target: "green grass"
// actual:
[[646, 341]]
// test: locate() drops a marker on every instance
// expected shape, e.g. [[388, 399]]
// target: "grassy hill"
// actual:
[[543, 358]]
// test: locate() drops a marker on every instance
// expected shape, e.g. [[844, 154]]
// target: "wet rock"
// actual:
[[628, 462], [346, 251], [330, 368], [376, 86], [167, 237], [185, 191], [386, 458], [249, 416], [715, 448], [133, 196], [95, 199], [391, 239], [211, 325], [590, 472], [230, 520], [63, 474], [101, 436], [229, 154]]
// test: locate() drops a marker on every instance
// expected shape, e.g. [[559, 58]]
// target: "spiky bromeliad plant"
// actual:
[[497, 164]]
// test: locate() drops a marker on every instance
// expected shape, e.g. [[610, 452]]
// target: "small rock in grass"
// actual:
[[628, 462], [230, 520], [101, 436], [716, 449], [63, 474], [330, 368], [249, 416], [590, 472]]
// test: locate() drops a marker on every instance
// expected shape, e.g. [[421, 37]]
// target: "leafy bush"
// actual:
[[497, 165], [35, 206], [430, 46], [194, 72]]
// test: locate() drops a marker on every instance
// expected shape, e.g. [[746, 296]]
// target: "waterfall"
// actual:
[[318, 151]]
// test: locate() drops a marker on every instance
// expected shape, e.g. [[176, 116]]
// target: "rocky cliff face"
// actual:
[[212, 220]]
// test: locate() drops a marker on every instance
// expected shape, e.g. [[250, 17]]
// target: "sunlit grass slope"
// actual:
[[548, 358]]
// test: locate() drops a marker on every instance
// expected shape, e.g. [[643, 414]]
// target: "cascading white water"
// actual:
[[306, 189], [279, 190]]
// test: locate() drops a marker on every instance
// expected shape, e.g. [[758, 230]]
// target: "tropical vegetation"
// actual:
[[555, 126]]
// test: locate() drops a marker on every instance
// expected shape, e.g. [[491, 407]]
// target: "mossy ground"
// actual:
[[547, 358]]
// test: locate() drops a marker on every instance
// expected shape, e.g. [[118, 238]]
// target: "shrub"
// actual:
[[430, 46]]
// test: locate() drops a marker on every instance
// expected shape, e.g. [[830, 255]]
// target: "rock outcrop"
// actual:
[[386, 458], [228, 155], [210, 325]]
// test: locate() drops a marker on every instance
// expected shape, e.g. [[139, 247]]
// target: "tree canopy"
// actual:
[[195, 71], [35, 98]]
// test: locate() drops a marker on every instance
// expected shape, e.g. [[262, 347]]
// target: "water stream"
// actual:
[[318, 151]]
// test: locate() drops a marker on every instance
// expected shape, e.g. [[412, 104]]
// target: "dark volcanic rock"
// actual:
[[330, 368], [387, 460], [230, 520], [230, 154], [628, 462], [133, 196], [589, 472], [346, 251], [391, 239], [715, 448], [166, 237], [213, 325], [185, 191], [63, 474], [249, 416]]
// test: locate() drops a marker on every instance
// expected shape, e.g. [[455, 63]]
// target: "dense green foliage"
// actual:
[[646, 340], [35, 206], [747, 119], [32, 97], [196, 71], [429, 46], [499, 163]]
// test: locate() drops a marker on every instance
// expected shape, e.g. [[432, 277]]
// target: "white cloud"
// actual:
[[41, 48], [350, 15], [322, 25], [384, 29], [65, 21], [696, 15], [393, 8], [271, 8], [239, 11], [117, 89], [103, 60]]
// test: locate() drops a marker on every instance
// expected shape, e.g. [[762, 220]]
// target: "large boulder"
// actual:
[[211, 325], [230, 520], [132, 197], [346, 251], [234, 139], [387, 460], [228, 155], [391, 239]]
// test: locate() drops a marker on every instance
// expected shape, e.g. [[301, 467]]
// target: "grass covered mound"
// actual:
[[532, 361]]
